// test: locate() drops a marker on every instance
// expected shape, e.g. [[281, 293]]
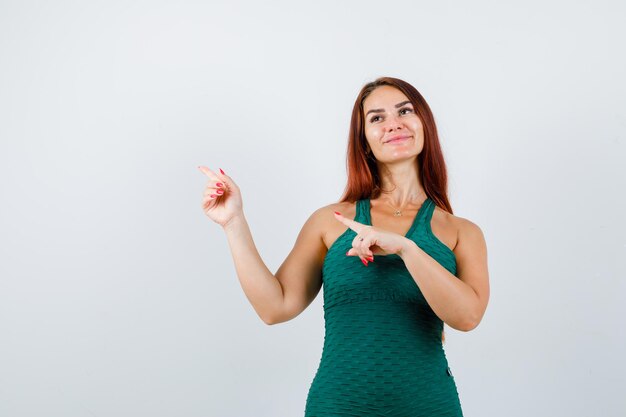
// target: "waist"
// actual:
[[380, 328]]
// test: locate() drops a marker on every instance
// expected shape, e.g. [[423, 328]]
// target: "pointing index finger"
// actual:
[[354, 225], [208, 172]]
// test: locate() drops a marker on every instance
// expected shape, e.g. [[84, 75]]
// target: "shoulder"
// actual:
[[463, 228], [469, 234], [466, 226], [325, 222], [346, 208]]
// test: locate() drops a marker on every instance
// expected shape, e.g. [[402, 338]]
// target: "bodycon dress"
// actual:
[[382, 354]]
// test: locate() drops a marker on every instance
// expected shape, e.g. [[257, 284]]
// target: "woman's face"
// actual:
[[388, 114]]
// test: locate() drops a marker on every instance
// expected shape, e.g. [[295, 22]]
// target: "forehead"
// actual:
[[383, 96]]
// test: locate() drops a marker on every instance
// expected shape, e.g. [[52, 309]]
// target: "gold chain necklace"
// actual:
[[398, 212]]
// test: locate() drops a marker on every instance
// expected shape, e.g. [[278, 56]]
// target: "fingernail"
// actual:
[[371, 259], [348, 251], [222, 171], [364, 262], [338, 213]]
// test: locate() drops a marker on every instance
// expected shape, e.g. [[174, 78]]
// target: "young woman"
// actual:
[[394, 261]]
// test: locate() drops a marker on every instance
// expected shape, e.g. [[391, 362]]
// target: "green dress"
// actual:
[[383, 354]]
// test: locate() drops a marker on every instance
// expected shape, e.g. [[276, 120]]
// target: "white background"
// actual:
[[118, 296]]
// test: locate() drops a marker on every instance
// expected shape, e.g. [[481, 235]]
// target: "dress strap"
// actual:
[[425, 214], [361, 211]]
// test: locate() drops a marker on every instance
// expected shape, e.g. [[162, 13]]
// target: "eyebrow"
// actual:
[[382, 110]]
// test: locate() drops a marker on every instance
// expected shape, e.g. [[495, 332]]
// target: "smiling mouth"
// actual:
[[398, 140]]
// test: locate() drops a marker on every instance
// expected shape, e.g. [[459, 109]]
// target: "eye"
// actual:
[[373, 119]]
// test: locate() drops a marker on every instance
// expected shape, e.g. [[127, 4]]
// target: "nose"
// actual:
[[394, 123]]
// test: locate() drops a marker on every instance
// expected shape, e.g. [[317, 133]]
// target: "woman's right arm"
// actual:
[[297, 282], [261, 287]]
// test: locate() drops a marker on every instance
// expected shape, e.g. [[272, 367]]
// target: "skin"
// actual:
[[396, 162], [459, 300]]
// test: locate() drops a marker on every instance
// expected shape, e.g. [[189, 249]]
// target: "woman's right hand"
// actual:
[[221, 203]]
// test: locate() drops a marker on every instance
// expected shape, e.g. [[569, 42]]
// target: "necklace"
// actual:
[[398, 212]]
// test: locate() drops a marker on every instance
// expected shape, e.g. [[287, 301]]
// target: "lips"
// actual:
[[397, 137]]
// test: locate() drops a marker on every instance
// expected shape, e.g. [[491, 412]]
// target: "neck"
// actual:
[[401, 186]]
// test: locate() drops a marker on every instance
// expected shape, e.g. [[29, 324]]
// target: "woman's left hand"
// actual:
[[370, 240]]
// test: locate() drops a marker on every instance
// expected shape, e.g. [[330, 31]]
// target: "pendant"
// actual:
[[398, 213]]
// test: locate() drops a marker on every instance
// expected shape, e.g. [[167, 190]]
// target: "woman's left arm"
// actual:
[[460, 301]]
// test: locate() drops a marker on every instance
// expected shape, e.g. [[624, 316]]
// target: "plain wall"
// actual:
[[118, 296]]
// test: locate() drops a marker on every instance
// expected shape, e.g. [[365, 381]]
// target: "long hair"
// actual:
[[364, 180]]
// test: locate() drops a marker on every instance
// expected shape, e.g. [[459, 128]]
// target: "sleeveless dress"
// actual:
[[382, 354]]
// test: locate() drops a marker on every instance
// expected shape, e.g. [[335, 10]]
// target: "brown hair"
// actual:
[[364, 180]]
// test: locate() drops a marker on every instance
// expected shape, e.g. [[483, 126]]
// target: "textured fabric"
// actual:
[[382, 353]]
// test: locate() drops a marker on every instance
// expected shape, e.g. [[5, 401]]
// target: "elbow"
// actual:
[[271, 320], [270, 317], [464, 324], [469, 325], [277, 317], [462, 327], [280, 315], [472, 320]]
